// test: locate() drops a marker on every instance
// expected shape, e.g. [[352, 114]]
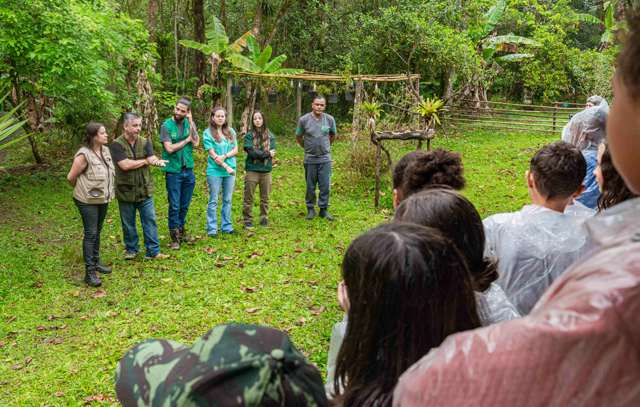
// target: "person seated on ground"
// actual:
[[420, 169], [407, 288], [586, 131], [537, 243], [457, 218], [612, 187], [231, 365], [580, 344]]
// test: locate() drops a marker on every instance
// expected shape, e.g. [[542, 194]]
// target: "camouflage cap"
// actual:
[[231, 365]]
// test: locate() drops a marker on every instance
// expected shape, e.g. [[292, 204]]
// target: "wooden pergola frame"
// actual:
[[325, 77]]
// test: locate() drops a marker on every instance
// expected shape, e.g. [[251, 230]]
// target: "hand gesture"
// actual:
[[219, 159], [273, 153]]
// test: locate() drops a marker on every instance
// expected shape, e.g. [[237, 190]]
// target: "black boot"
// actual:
[[324, 213], [91, 278], [101, 268], [184, 237], [175, 239], [311, 213]]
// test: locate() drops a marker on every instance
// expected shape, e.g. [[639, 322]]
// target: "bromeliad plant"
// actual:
[[429, 110]]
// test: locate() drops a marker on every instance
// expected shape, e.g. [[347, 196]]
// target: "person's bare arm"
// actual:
[[332, 138], [233, 152], [195, 139], [299, 140], [172, 148], [78, 166], [128, 164]]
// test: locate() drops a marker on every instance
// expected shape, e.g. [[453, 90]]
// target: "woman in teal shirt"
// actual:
[[219, 141]]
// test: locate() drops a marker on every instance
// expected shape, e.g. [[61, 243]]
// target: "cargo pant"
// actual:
[[251, 181]]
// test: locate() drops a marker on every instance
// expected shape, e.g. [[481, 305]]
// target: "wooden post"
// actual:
[[229, 101], [378, 154], [355, 123], [555, 114], [299, 99]]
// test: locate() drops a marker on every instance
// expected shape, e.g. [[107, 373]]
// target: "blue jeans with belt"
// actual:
[[149, 226], [180, 187]]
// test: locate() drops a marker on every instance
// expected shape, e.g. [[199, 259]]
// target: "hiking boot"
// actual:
[[324, 213], [175, 239], [101, 268], [130, 255], [248, 225], [91, 278], [311, 213], [184, 237], [159, 256], [264, 222]]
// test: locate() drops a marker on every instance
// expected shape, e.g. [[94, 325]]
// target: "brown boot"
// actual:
[[175, 239]]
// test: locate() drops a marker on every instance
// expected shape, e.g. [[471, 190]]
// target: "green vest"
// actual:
[[134, 185], [182, 157]]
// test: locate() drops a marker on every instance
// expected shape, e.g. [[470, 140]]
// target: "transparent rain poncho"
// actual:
[[587, 129], [534, 246], [580, 345], [493, 307]]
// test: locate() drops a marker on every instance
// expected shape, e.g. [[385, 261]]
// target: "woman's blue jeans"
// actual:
[[216, 184]]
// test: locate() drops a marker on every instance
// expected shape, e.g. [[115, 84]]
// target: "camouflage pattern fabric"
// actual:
[[231, 365]]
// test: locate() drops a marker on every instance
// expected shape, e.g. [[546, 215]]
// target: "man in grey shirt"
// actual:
[[315, 133]]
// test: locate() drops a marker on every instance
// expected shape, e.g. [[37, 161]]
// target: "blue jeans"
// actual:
[[180, 187], [215, 184], [149, 226], [320, 175]]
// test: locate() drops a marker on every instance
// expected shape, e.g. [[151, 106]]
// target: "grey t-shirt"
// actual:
[[315, 134]]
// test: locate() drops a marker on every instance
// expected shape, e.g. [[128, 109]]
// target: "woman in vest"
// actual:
[[220, 143], [92, 176]]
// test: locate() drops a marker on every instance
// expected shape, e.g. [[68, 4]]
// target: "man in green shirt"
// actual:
[[178, 136]]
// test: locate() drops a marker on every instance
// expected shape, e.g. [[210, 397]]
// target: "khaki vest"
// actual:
[[96, 183]]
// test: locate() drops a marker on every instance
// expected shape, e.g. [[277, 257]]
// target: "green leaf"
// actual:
[[511, 39], [587, 18], [275, 64], [514, 57], [243, 63], [254, 48], [264, 57], [204, 48], [608, 17], [493, 17]]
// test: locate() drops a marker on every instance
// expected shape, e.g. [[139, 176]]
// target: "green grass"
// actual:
[[59, 342]]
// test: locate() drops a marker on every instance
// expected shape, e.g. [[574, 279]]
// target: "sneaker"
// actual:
[[231, 232], [264, 222], [324, 213], [248, 225], [311, 213], [159, 256], [130, 255]]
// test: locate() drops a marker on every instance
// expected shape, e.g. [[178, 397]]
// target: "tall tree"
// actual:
[[199, 35]]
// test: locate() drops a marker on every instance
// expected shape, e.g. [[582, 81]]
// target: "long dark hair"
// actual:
[[457, 219], [91, 132], [421, 169], [614, 190], [260, 135], [408, 288], [213, 127]]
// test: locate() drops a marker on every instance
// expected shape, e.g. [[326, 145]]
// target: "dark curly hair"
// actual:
[[558, 170], [421, 169], [458, 220], [614, 190]]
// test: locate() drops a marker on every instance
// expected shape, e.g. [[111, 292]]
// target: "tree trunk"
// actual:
[[198, 31], [355, 123], [32, 118], [223, 13], [175, 44], [276, 23], [447, 85], [257, 21], [152, 19]]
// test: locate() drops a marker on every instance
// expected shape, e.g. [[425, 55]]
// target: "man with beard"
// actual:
[[178, 137]]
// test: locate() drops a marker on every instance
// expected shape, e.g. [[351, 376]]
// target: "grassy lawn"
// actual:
[[60, 341]]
